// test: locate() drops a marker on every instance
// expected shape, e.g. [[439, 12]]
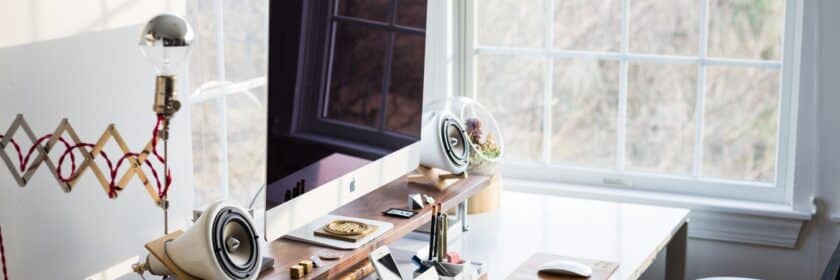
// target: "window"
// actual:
[[373, 60], [688, 96], [363, 62], [227, 68]]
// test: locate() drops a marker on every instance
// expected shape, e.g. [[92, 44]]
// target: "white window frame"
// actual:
[[219, 93], [778, 192]]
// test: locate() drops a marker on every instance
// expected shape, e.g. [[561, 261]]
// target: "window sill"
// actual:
[[711, 218]]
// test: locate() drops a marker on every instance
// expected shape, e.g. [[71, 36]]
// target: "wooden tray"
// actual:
[[601, 270], [349, 238]]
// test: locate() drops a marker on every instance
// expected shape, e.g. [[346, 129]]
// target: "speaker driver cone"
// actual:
[[235, 244], [455, 141], [238, 251]]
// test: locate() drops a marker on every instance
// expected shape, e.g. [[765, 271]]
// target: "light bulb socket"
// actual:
[[166, 103]]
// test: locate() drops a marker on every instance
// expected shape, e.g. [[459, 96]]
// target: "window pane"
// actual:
[[412, 13], [245, 57], [356, 81], [664, 27], [202, 60], [587, 25], [508, 23], [246, 39], [741, 116], [406, 89], [661, 102], [512, 89], [246, 136], [379, 10], [584, 112], [746, 28]]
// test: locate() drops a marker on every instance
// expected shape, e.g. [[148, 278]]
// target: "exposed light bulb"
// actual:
[[166, 41]]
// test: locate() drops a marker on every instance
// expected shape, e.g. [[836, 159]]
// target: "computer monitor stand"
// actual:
[[307, 233]]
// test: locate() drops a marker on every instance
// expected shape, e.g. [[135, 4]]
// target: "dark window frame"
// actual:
[[317, 42]]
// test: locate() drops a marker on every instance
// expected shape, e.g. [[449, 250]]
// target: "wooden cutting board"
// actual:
[[601, 270]]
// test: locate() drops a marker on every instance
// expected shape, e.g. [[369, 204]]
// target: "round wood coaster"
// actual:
[[328, 256]]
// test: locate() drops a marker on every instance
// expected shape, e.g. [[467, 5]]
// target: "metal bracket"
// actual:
[[462, 215]]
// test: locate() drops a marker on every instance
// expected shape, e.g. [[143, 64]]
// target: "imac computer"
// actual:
[[345, 95]]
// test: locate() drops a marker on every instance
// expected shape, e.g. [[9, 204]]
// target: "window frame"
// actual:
[[779, 191], [321, 20]]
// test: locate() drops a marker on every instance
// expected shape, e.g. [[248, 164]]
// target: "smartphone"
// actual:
[[400, 213]]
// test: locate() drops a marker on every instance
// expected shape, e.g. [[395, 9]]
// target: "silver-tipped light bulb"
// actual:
[[165, 42]]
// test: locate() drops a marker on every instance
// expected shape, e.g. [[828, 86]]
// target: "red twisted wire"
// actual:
[[3, 256], [112, 187], [168, 175], [162, 189], [25, 160]]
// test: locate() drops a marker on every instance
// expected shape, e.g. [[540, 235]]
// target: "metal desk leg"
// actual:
[[462, 216], [676, 255]]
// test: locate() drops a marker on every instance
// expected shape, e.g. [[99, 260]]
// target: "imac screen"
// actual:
[[345, 88]]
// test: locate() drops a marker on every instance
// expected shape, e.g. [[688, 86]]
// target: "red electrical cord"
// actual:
[[162, 189], [3, 256], [23, 161]]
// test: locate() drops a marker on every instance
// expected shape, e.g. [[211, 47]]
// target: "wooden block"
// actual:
[[307, 265], [297, 271], [601, 270], [156, 248], [439, 179]]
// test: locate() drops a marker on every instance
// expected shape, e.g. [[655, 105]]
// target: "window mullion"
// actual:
[[703, 27], [467, 27], [621, 124], [549, 82], [221, 102], [389, 60]]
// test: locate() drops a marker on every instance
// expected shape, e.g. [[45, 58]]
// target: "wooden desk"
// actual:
[[287, 253], [631, 235]]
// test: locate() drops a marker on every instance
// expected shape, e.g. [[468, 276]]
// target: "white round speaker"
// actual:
[[444, 143], [222, 244]]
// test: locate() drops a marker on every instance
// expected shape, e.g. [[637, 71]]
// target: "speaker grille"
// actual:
[[455, 141], [235, 243]]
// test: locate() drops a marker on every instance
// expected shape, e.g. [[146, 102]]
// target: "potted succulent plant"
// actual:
[[487, 144], [486, 148]]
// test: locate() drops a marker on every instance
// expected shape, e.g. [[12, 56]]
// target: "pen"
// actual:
[[445, 233], [432, 233]]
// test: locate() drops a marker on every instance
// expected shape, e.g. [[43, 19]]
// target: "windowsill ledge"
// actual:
[[711, 218]]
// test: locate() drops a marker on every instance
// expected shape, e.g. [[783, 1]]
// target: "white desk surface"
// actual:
[[629, 234]]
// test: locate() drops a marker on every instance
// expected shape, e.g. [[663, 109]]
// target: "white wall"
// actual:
[[29, 21], [53, 69], [828, 118]]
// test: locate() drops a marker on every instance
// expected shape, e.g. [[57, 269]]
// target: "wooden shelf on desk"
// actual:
[[395, 194]]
